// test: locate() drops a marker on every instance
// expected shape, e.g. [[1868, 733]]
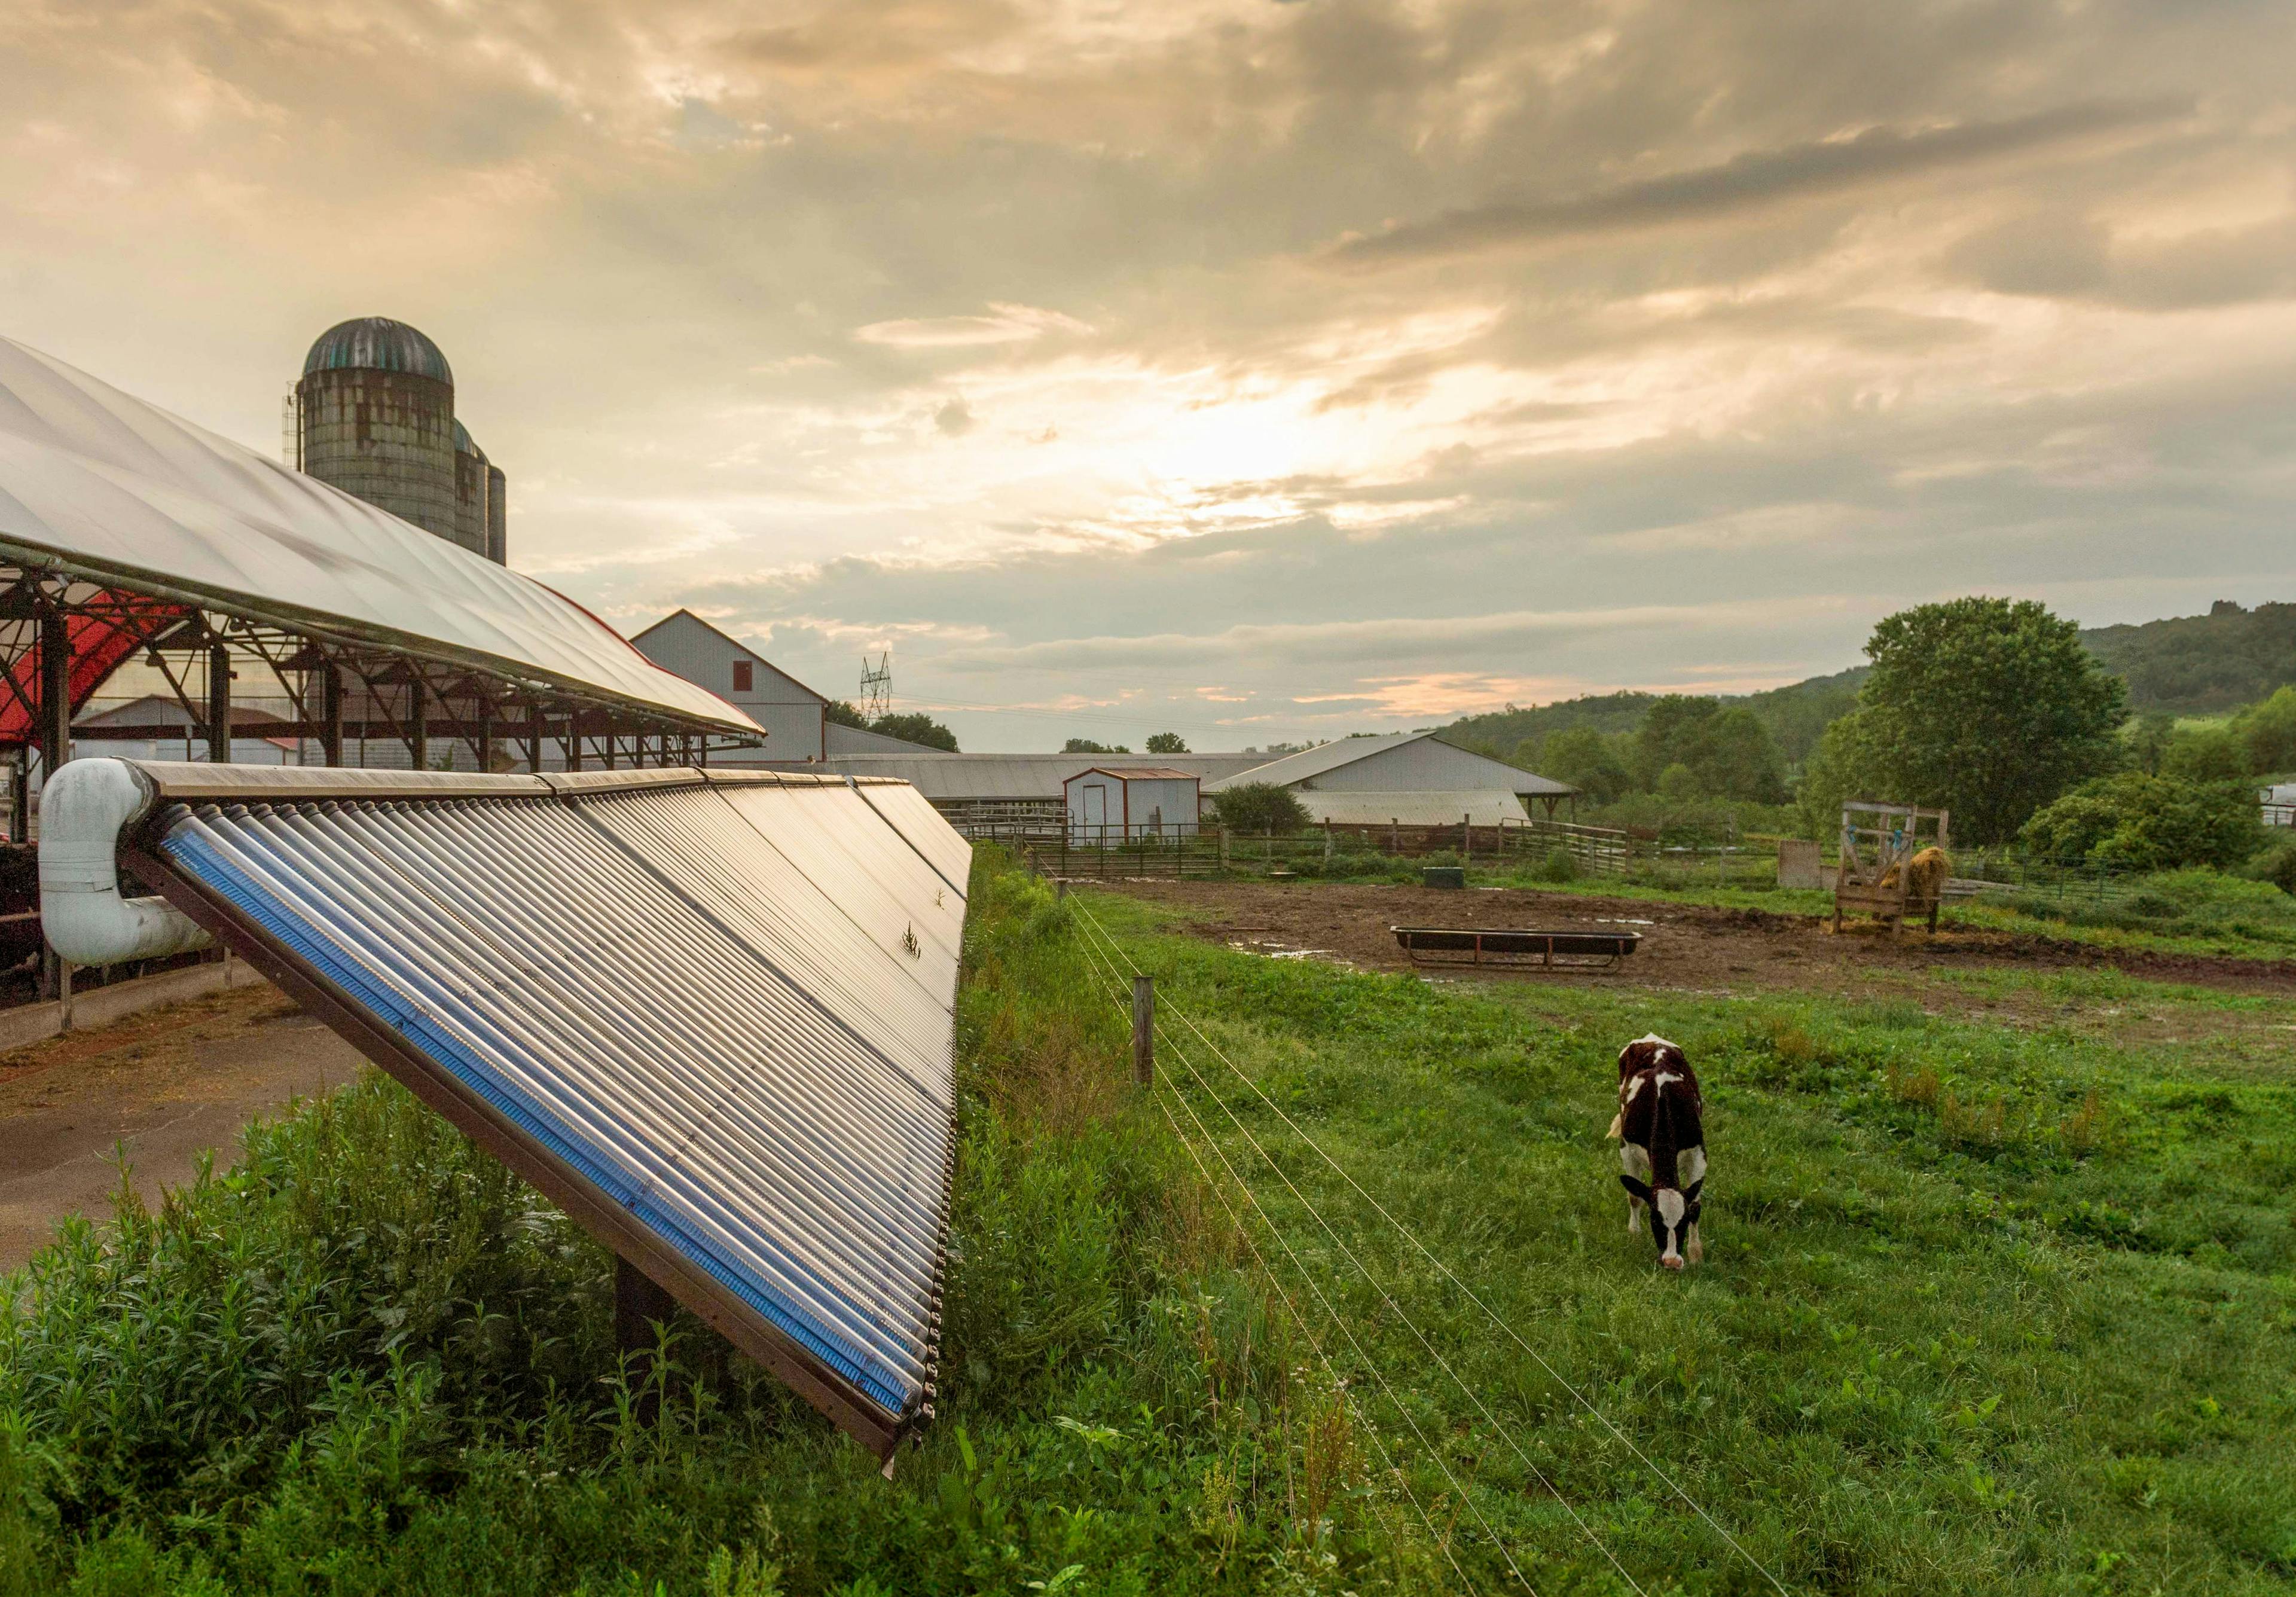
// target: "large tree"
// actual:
[[1990, 707], [1587, 760]]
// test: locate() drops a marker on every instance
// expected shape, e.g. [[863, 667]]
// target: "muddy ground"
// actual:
[[159, 1088], [1691, 947]]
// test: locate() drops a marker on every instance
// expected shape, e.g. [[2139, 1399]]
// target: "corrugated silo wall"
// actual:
[[471, 501], [497, 516], [386, 437]]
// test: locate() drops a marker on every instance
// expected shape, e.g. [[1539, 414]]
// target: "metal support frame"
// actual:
[[640, 1306], [418, 721], [55, 690], [363, 690], [330, 731], [218, 715]]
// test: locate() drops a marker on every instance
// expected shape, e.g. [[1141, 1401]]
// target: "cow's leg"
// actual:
[[1692, 1248], [1635, 1163]]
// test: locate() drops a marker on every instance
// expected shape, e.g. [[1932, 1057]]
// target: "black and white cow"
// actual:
[[1662, 1147]]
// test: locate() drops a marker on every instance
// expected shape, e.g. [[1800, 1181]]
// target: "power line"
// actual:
[[1449, 1275]]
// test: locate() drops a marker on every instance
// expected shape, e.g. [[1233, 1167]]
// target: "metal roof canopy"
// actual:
[[100, 486], [708, 1014], [1311, 762]]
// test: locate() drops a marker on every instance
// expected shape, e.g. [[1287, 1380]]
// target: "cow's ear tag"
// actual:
[[1635, 1187]]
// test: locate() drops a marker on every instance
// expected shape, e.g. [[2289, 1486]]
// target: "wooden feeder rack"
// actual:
[[1877, 840]]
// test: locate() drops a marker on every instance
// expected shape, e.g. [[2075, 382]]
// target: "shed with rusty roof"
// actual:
[[1118, 804]]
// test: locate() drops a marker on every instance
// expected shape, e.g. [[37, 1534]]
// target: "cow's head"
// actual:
[[1673, 1218]]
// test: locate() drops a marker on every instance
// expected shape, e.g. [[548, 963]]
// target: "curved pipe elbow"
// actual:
[[83, 807]]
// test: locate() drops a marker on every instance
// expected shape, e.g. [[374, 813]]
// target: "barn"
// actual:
[[1404, 773], [1108, 804]]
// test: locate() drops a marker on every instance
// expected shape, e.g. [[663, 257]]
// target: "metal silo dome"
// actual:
[[377, 344]]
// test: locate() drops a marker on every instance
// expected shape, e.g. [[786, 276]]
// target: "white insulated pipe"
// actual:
[[83, 807]]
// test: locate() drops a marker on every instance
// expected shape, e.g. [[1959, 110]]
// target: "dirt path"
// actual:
[[1694, 948], [168, 1084]]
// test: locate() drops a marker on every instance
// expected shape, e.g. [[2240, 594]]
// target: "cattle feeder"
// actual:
[[1893, 862]]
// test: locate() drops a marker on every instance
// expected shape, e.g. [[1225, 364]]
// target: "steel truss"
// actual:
[[63, 636]]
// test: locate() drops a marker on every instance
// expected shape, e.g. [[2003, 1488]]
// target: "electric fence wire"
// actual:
[[1449, 1275], [1395, 1308], [1306, 1327], [1466, 1499]]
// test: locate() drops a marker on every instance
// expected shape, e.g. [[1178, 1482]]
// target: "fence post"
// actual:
[[1144, 1030], [1467, 837], [1223, 846], [1327, 842]]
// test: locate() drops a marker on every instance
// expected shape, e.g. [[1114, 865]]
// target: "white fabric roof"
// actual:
[[1486, 807], [103, 486]]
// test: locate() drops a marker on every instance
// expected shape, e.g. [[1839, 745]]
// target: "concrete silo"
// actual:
[[377, 419], [497, 516], [469, 492]]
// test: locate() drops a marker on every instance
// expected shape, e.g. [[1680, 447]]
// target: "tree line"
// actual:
[[1996, 709]]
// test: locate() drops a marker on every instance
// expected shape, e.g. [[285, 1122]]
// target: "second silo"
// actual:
[[469, 492]]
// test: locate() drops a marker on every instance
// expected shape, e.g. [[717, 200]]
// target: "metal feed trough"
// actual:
[[1512, 945]]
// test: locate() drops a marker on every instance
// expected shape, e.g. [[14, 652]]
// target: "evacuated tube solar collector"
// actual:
[[707, 1013]]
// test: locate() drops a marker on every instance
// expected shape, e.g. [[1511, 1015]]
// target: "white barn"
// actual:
[[795, 717], [1402, 772], [1109, 804]]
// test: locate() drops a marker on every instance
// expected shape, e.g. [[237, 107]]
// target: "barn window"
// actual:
[[741, 676]]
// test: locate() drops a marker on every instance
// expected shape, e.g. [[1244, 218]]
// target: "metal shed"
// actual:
[[1113, 804]]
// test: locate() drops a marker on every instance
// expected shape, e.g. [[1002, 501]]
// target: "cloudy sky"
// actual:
[[1257, 370]]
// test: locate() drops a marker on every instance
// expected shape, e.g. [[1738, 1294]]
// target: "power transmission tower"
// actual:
[[877, 686]]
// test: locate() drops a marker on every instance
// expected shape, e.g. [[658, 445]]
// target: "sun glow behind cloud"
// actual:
[[1372, 362]]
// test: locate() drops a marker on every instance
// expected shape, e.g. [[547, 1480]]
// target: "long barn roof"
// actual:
[[102, 486]]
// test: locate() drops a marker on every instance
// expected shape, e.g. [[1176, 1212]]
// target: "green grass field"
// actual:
[[1988, 1306], [1985, 1308]]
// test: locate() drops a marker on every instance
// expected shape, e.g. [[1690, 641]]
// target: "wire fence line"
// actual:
[[1403, 1318], [1117, 953], [1386, 1298], [1466, 1498], [1330, 1373]]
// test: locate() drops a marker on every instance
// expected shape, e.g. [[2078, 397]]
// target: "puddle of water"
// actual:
[[1268, 949], [1621, 920]]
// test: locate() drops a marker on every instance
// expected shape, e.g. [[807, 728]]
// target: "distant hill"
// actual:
[[1795, 715], [2195, 664], [2185, 665]]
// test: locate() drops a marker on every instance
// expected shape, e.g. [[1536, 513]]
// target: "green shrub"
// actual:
[[1259, 808], [2276, 862], [1559, 866], [2137, 821]]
